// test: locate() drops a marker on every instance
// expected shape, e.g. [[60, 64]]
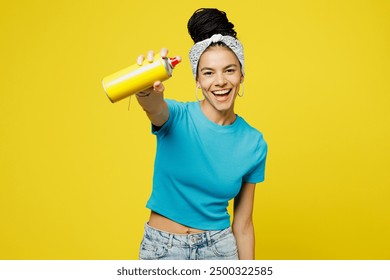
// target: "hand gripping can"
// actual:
[[136, 78]]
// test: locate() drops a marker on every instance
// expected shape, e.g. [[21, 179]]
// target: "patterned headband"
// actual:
[[198, 49]]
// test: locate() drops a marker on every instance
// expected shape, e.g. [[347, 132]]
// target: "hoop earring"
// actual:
[[243, 90]]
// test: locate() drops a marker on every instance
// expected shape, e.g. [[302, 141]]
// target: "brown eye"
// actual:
[[231, 70]]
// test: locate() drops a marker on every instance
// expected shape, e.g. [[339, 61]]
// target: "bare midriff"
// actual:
[[164, 224]]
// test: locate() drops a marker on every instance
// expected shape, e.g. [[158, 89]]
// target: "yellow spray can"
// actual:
[[136, 78]]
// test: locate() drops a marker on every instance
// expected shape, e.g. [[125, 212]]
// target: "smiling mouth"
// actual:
[[221, 93]]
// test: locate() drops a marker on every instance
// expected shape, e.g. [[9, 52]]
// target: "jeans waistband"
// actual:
[[185, 240]]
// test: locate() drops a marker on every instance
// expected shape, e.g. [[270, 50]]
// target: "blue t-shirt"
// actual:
[[200, 166]]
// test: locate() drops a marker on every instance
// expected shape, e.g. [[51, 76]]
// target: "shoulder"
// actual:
[[180, 108], [178, 112], [179, 105], [249, 129], [252, 135]]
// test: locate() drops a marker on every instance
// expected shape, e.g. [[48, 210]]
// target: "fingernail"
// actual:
[[140, 59], [150, 56]]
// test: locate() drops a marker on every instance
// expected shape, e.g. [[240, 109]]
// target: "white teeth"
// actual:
[[221, 92]]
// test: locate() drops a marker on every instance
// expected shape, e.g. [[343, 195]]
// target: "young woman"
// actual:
[[206, 154]]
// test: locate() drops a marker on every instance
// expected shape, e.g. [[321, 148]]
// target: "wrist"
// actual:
[[142, 94]]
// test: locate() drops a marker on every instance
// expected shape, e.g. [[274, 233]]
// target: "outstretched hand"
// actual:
[[158, 86]]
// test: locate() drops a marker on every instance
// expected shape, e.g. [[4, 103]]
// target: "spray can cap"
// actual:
[[174, 61]]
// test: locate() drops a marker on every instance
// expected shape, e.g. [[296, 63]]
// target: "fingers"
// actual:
[[164, 52], [150, 56], [140, 59], [158, 87]]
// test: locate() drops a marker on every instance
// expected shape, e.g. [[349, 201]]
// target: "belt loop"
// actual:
[[170, 241], [208, 238]]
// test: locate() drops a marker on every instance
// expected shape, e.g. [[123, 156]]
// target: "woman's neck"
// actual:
[[219, 117]]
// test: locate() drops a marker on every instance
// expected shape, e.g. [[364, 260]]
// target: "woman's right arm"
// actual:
[[152, 99]]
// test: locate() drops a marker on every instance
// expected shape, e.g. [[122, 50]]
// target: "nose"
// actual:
[[220, 79]]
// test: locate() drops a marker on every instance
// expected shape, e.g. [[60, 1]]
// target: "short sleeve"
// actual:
[[257, 173]]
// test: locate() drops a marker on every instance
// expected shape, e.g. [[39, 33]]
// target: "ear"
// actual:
[[197, 84], [242, 79]]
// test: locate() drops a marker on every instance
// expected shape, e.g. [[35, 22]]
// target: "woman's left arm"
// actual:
[[242, 222]]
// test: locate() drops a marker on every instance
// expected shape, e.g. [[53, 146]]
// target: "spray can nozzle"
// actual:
[[174, 61]]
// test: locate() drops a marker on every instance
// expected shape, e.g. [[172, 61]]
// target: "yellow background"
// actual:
[[76, 170]]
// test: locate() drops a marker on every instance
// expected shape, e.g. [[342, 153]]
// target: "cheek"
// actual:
[[236, 82], [204, 84], [239, 78]]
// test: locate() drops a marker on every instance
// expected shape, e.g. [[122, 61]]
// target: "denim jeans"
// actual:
[[208, 245]]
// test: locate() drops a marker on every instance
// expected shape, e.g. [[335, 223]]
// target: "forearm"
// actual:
[[155, 107], [245, 237]]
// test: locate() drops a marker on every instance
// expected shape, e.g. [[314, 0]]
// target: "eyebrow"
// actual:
[[228, 66]]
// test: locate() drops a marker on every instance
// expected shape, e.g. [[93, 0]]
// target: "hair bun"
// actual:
[[206, 22]]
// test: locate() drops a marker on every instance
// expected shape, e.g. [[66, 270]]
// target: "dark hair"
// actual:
[[206, 22]]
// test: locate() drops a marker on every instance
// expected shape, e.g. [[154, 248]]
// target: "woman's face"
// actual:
[[219, 77]]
